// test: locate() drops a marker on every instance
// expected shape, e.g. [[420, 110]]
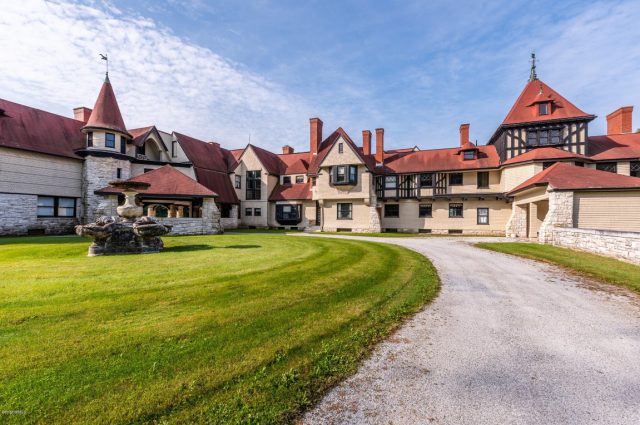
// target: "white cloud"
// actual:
[[50, 60]]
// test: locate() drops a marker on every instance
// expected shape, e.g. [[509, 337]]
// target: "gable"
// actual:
[[348, 155]]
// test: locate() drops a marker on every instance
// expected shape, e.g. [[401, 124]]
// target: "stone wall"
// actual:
[[19, 216], [97, 172], [621, 245], [560, 214], [517, 224]]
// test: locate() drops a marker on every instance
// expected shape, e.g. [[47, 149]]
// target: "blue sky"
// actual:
[[230, 71]]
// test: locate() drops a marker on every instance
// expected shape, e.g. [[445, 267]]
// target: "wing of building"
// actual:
[[55, 173]]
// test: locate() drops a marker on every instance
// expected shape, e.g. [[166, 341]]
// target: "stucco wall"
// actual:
[[512, 176], [365, 218]]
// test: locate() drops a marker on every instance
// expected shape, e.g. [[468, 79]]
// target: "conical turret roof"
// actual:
[[106, 113]]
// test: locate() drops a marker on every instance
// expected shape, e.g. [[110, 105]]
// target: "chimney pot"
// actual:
[[315, 127], [366, 142], [286, 150], [464, 133], [82, 113], [379, 146], [620, 120]]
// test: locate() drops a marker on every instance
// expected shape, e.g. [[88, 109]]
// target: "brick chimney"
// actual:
[[379, 145], [366, 142], [619, 121], [464, 133], [315, 138], [82, 113], [286, 150]]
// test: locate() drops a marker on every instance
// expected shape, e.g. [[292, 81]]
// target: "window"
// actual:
[[288, 214], [468, 155], [543, 137], [392, 210], [455, 210], [344, 211], [248, 212], [340, 147], [635, 168], [253, 185], [257, 212], [390, 182], [238, 182], [50, 206], [146, 170], [344, 174], [174, 149], [426, 180], [425, 210], [580, 164], [140, 150], [483, 215], [286, 180], [90, 139], [110, 140], [299, 179], [123, 145], [483, 179], [455, 179], [543, 108], [611, 167], [118, 173], [547, 164]]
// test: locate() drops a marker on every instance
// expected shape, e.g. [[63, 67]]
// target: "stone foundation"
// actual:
[[621, 245], [19, 216]]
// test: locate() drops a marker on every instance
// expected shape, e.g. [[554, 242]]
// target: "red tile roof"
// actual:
[[569, 177], [325, 147], [543, 154], [269, 160], [291, 192], [617, 146], [294, 163], [439, 160], [220, 183], [166, 181], [526, 107], [31, 129], [106, 112], [140, 134]]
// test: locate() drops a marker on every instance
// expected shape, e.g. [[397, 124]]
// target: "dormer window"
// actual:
[[469, 155], [543, 108]]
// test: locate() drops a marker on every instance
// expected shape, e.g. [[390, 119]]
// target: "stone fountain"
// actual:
[[130, 233]]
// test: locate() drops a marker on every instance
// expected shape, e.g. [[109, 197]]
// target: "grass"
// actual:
[[237, 328], [595, 266], [403, 235]]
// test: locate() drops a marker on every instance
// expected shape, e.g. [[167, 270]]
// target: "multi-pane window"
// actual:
[[287, 212], [299, 179], [257, 212], [238, 182], [543, 108], [123, 145], [483, 179], [52, 206], [340, 147], [344, 211], [483, 215], [253, 185], [635, 168], [110, 140], [286, 180], [611, 167], [425, 210], [468, 155], [90, 139], [543, 137], [426, 180], [392, 210], [140, 150], [455, 210], [455, 179], [390, 182], [174, 149], [248, 212], [344, 174]]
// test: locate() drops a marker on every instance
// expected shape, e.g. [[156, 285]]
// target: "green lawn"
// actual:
[[238, 328], [602, 268], [403, 235]]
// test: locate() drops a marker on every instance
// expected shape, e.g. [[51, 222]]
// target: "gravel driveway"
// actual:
[[508, 341]]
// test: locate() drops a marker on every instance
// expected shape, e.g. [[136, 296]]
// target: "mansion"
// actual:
[[540, 170]]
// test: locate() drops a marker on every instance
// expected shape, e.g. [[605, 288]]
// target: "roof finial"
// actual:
[[533, 75], [105, 58]]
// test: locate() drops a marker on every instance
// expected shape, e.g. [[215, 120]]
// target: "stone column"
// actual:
[[179, 211], [560, 214], [172, 211], [517, 224], [151, 210]]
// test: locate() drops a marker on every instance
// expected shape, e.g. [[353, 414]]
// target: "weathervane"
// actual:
[[533, 76], [105, 58]]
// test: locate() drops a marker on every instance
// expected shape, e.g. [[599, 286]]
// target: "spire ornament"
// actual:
[[105, 58], [533, 76]]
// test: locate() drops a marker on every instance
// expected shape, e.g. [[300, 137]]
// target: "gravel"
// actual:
[[507, 341]]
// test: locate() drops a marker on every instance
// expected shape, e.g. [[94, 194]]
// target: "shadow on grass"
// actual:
[[187, 248], [241, 246]]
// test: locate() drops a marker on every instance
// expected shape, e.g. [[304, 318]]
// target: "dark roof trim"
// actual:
[[118, 155], [537, 123]]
